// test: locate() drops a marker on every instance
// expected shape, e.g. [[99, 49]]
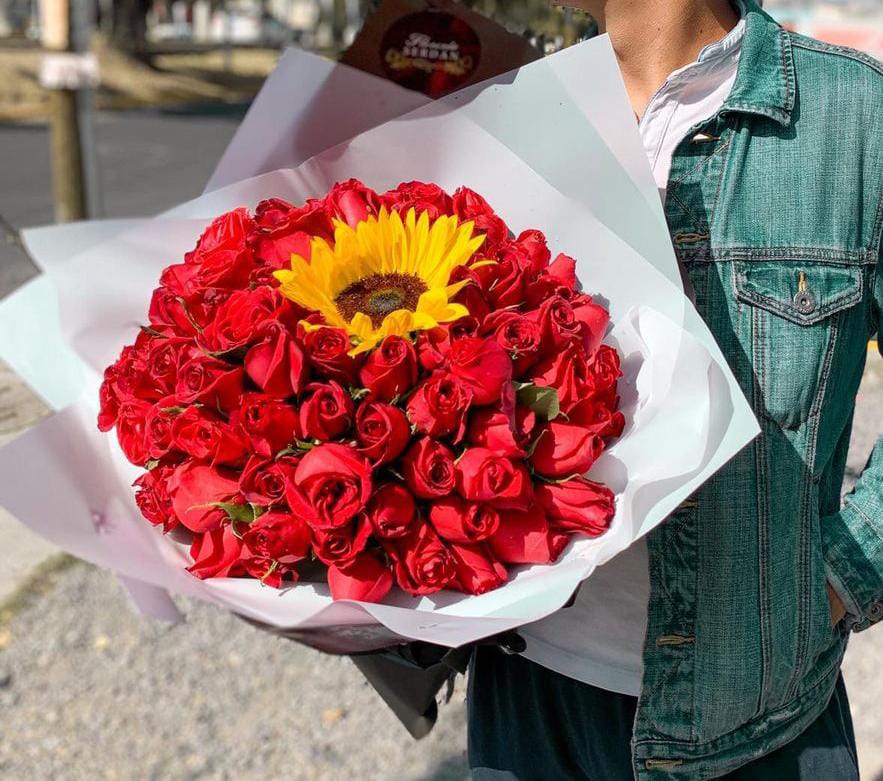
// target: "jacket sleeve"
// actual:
[[853, 538]]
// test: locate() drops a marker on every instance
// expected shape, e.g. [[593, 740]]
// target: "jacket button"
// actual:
[[805, 302], [876, 611]]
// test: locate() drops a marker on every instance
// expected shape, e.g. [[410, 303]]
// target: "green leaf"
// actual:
[[237, 513], [174, 410], [152, 464], [542, 400]]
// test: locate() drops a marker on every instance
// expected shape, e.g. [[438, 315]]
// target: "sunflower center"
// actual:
[[380, 295]]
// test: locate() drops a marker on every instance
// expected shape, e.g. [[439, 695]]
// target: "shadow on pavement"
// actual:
[[454, 769]]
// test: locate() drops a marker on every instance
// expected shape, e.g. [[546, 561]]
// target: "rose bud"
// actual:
[[526, 538], [263, 480], [534, 244], [565, 450], [239, 319], [439, 406], [269, 572], [215, 553], [428, 468], [327, 413], [196, 489], [215, 383], [559, 325], [352, 202], [164, 359], [280, 536], [484, 476], [497, 431], [205, 436], [605, 370], [420, 196], [391, 369], [577, 505], [342, 544], [109, 400], [332, 484], [382, 431], [469, 205], [269, 424], [457, 520], [482, 366], [477, 569], [567, 372], [563, 270], [364, 579], [153, 498], [423, 563], [392, 511], [132, 430], [276, 364], [327, 350]]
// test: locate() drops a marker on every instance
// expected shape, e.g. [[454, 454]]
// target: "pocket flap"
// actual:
[[801, 293]]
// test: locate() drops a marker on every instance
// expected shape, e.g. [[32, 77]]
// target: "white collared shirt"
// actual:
[[599, 640]]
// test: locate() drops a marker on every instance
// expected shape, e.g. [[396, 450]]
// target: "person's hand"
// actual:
[[838, 609]]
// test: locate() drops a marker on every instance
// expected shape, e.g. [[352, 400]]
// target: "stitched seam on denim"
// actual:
[[688, 212], [810, 44], [710, 156], [768, 716], [766, 629], [833, 255], [844, 301], [841, 582], [715, 201], [866, 518]]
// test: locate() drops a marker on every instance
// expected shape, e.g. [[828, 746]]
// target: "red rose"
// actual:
[[534, 244], [168, 313], [164, 359], [215, 553], [477, 568], [195, 489], [328, 352], [342, 544], [327, 413], [518, 336], [109, 401], [457, 520], [597, 418], [363, 579], [560, 326], [563, 270], [227, 232], [132, 430], [131, 377], [352, 202], [503, 283], [276, 217], [526, 538], [567, 372], [332, 484], [497, 431], [392, 511], [469, 205], [391, 369], [565, 450], [420, 196], [263, 480], [595, 319], [383, 431], [484, 476], [428, 468], [205, 436], [276, 364], [275, 251], [269, 424], [423, 564], [238, 320], [153, 498], [280, 536], [577, 505], [439, 406], [604, 373], [158, 427], [215, 383], [482, 366]]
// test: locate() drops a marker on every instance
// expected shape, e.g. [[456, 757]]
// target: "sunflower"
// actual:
[[383, 277]]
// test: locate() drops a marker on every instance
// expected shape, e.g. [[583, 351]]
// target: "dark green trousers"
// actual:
[[527, 723]]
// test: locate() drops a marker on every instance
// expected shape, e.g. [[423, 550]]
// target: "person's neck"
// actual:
[[652, 39]]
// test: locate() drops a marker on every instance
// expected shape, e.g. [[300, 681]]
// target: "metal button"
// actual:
[[805, 302], [876, 611]]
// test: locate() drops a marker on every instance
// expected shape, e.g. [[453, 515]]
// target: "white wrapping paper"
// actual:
[[550, 149]]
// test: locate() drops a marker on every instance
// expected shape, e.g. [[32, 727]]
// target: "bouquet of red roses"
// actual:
[[392, 386]]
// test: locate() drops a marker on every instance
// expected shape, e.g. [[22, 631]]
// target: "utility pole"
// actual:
[[66, 72]]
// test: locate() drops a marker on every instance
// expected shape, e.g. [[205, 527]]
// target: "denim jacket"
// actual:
[[775, 207]]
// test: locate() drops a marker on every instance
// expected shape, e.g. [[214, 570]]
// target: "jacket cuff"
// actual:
[[853, 554]]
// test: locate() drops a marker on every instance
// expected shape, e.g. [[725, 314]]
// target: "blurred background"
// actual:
[[119, 108]]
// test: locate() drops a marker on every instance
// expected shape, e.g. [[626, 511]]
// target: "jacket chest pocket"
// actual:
[[796, 312]]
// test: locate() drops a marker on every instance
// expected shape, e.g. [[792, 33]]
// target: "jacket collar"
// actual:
[[765, 83]]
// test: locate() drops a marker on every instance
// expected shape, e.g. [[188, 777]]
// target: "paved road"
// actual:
[[89, 691]]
